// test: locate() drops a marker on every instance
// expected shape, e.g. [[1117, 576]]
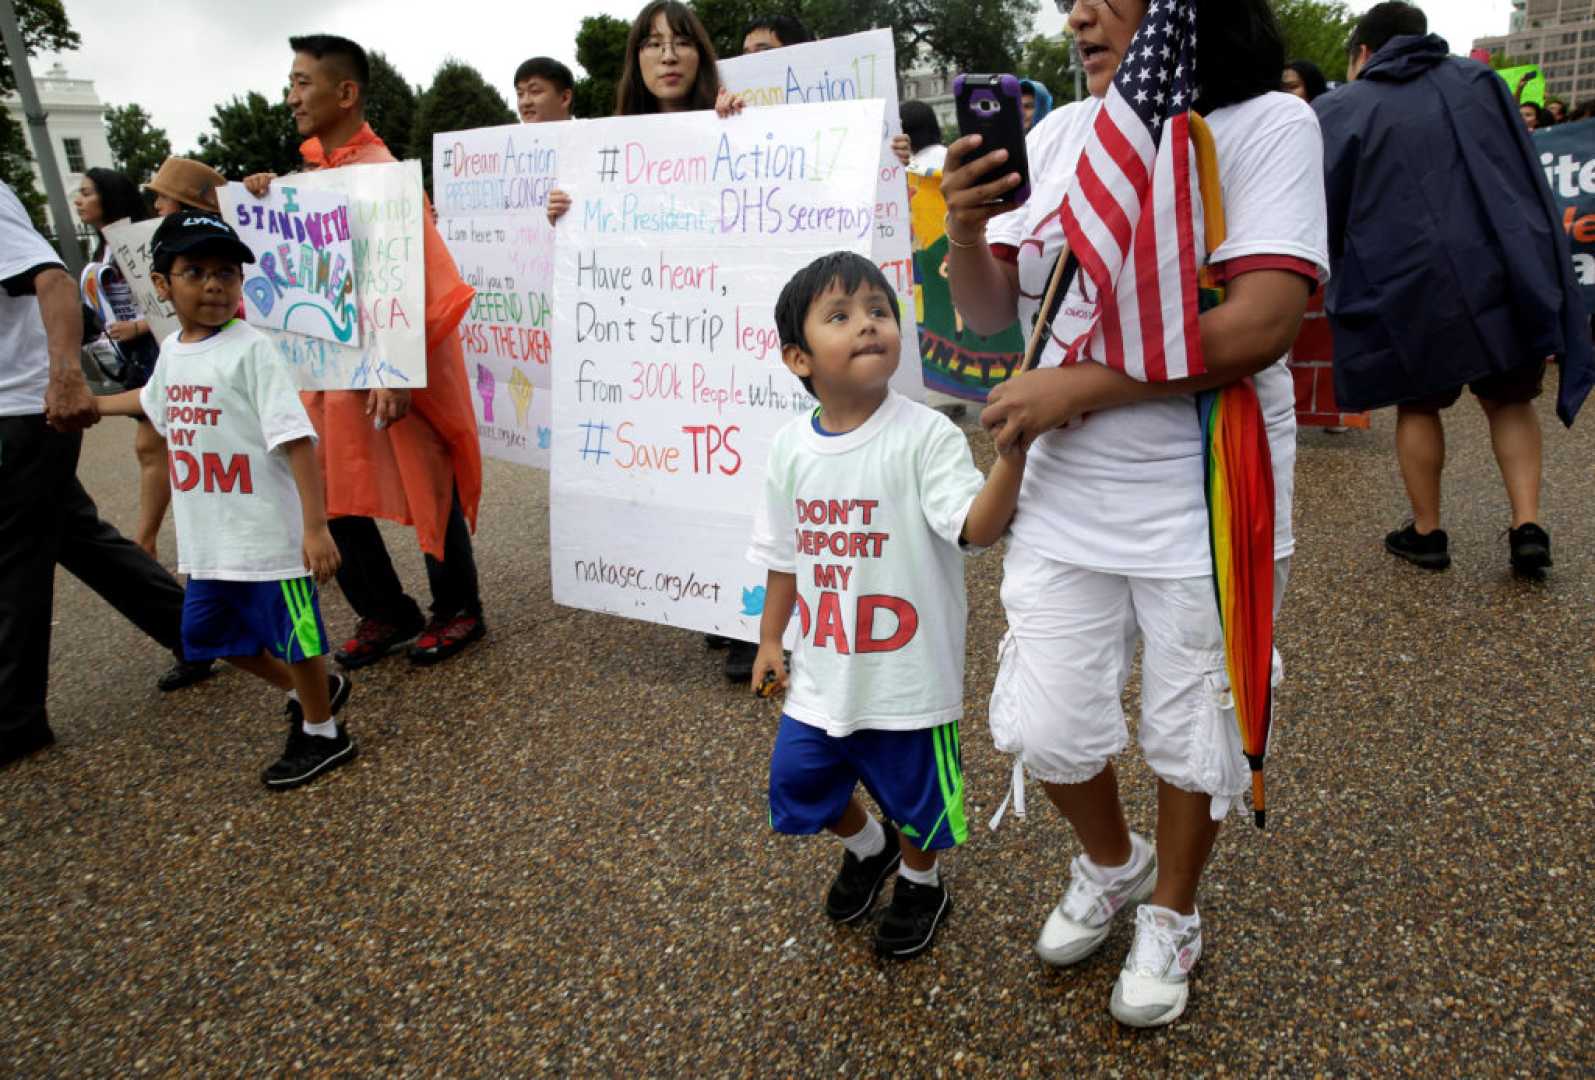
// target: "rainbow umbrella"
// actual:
[[1238, 478]]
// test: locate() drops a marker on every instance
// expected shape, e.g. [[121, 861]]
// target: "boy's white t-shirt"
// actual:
[[1121, 492], [869, 522], [225, 406]]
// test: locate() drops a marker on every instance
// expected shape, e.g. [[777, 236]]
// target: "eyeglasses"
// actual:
[[1066, 7], [227, 276], [677, 46]]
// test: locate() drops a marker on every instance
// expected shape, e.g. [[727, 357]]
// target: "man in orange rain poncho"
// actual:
[[409, 456]]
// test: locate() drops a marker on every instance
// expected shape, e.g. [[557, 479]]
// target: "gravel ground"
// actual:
[[551, 856]]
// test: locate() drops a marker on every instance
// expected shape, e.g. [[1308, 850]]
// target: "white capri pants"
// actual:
[[1063, 664]]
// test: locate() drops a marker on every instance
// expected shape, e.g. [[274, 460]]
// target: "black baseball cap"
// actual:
[[188, 231]]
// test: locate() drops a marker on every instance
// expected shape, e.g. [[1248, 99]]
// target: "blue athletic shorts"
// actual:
[[247, 618], [917, 777]]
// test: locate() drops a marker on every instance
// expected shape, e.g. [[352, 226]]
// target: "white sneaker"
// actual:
[[1154, 983], [1080, 923]]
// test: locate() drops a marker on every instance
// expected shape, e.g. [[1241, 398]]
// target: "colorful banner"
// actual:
[[129, 245], [853, 68], [491, 188], [302, 280], [1529, 78], [1567, 153], [385, 207], [669, 386], [954, 359]]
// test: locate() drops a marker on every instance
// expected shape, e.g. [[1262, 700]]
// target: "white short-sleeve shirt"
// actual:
[[24, 351], [1121, 492], [226, 406], [869, 522]]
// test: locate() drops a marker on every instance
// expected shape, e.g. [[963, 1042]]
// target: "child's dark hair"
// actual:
[[919, 124], [841, 268], [548, 69], [347, 56], [787, 29]]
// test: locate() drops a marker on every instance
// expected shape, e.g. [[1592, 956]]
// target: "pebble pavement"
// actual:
[[551, 856]]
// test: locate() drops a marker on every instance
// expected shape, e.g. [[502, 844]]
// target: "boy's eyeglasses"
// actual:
[[657, 46], [195, 275]]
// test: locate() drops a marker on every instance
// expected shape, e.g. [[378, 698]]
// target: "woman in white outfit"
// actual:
[[1110, 542]]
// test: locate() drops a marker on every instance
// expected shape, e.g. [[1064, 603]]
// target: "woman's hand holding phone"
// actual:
[[975, 188]]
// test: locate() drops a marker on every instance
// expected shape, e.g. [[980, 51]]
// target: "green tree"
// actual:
[[459, 99], [249, 135], [16, 168], [1316, 30], [390, 105], [1050, 61], [44, 28], [601, 52], [137, 146]]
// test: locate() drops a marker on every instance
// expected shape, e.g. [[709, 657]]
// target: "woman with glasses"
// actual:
[[1110, 543], [104, 198]]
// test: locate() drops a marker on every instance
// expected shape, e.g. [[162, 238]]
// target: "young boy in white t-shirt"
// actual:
[[246, 491], [868, 503]]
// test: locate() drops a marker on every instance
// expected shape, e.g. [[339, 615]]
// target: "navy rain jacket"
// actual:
[[1447, 253]]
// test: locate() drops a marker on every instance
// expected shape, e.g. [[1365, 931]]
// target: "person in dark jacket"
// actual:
[[1450, 268]]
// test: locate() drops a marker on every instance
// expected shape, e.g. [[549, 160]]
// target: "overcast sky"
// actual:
[[179, 58]]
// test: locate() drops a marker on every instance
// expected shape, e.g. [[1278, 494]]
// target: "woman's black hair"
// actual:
[[119, 201], [1542, 119], [1239, 52], [919, 124], [632, 96], [787, 30], [1312, 80]]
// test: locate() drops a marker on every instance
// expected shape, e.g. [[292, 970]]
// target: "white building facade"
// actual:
[[76, 118]]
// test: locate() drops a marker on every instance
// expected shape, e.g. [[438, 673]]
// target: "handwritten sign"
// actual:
[[386, 203], [303, 279], [669, 384], [1567, 154], [129, 245], [852, 68], [953, 358], [492, 188]]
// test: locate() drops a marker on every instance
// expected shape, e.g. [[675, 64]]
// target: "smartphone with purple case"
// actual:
[[990, 106]]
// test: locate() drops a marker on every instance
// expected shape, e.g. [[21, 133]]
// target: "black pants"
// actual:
[[373, 589], [47, 518]]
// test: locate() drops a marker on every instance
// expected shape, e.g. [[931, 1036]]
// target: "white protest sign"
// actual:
[[303, 278], [669, 384], [859, 66], [129, 245], [385, 208], [491, 187]]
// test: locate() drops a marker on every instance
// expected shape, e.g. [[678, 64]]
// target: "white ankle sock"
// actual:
[[1109, 876], [868, 841], [327, 729], [920, 877]]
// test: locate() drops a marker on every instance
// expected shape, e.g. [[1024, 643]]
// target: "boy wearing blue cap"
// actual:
[[246, 491]]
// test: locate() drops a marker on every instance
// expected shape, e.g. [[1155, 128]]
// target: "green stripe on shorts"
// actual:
[[950, 777], [297, 594]]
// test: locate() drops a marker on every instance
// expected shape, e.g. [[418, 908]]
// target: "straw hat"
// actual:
[[192, 183]]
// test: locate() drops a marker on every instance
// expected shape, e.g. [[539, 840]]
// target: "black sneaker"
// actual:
[[739, 661], [184, 673], [19, 744], [1531, 550], [306, 757], [859, 881], [1428, 550], [373, 639], [338, 690], [911, 920]]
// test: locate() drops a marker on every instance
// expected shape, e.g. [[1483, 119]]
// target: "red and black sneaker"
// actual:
[[374, 639], [443, 637]]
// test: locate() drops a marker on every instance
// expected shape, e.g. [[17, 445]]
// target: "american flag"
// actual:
[[1132, 215]]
